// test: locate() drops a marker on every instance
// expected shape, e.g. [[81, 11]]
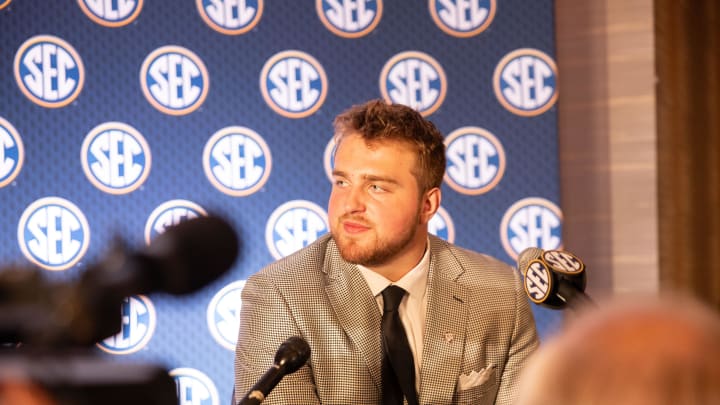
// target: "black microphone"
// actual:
[[183, 259], [292, 354], [553, 278]]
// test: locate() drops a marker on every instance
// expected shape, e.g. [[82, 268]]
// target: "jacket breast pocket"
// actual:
[[479, 395]]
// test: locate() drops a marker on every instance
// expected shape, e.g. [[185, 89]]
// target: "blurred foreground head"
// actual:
[[21, 392], [650, 351]]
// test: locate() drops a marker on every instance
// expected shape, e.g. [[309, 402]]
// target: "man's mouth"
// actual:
[[353, 227]]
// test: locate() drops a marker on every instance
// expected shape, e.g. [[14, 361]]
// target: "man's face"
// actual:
[[377, 216]]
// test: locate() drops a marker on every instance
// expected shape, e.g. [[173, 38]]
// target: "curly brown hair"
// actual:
[[377, 120]]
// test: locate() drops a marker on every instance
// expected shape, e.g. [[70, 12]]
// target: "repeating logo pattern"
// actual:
[[125, 117]]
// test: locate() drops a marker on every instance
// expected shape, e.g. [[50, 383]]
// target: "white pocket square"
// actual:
[[475, 378]]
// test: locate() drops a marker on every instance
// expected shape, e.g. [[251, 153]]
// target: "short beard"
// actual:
[[378, 254]]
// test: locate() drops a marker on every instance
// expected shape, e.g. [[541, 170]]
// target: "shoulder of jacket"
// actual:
[[467, 258], [304, 261]]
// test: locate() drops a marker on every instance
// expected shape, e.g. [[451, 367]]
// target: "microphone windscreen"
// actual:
[[193, 253], [564, 262], [526, 256], [567, 267], [292, 354]]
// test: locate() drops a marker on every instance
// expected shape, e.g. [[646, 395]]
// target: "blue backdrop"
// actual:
[[122, 117]]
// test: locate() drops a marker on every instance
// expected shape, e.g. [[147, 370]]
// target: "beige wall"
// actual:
[[607, 139]]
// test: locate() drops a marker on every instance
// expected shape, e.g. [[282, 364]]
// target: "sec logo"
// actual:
[[414, 79], [138, 321], [294, 225], [525, 82], [531, 222], [231, 17], [223, 314], [174, 80], [168, 214], [349, 18], [53, 233], [442, 226], [194, 387], [538, 281], [115, 158], [111, 13], [328, 158], [237, 161], [49, 71], [463, 18], [475, 160], [12, 153], [293, 84]]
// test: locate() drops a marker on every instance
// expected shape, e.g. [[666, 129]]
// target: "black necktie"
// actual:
[[398, 368]]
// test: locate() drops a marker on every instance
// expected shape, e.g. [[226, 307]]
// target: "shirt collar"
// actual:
[[414, 282]]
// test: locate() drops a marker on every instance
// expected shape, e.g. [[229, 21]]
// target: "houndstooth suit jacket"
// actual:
[[479, 329]]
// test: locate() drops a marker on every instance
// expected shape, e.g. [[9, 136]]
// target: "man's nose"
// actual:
[[355, 200]]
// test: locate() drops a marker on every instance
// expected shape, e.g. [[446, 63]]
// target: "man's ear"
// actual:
[[430, 204]]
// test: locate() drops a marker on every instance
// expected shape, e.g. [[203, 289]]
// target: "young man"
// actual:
[[465, 315]]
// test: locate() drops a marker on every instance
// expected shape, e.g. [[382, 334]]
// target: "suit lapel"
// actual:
[[356, 309], [445, 328]]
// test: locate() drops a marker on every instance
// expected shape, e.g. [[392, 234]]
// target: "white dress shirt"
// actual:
[[413, 306]]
